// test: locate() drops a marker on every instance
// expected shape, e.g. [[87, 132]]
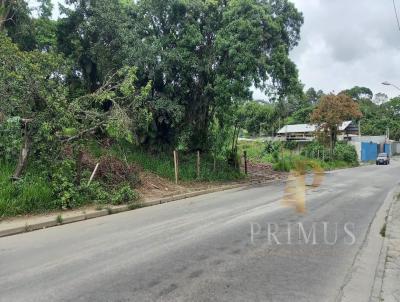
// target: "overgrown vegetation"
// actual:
[[31, 195], [283, 157], [157, 75], [124, 83]]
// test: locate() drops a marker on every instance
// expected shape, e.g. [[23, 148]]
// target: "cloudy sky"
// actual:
[[347, 43]]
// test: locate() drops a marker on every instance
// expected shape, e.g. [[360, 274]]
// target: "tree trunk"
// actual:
[[5, 9], [23, 158]]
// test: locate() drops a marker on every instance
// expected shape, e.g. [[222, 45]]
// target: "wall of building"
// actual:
[[357, 146], [395, 148], [381, 139]]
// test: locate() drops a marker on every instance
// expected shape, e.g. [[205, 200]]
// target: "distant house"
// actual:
[[306, 132]]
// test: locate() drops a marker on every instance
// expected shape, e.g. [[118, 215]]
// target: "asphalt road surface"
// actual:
[[202, 248]]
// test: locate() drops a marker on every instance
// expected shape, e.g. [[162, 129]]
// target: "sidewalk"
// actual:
[[390, 291]]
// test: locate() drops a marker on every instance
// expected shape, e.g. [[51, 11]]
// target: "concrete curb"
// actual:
[[365, 266], [390, 277], [52, 222], [380, 269]]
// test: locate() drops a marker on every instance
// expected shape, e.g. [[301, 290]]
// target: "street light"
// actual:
[[386, 83]]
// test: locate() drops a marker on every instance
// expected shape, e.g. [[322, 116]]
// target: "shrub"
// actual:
[[272, 147], [29, 195], [345, 152], [291, 145], [316, 150], [124, 195], [342, 152], [283, 164]]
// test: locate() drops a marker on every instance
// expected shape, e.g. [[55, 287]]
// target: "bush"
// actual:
[[291, 145], [124, 195], [272, 147], [282, 165], [32, 194], [316, 150], [345, 152], [342, 152]]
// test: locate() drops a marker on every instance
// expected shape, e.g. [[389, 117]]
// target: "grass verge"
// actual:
[[33, 194], [286, 160], [162, 163]]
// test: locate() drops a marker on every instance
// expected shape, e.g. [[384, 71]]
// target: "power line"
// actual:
[[395, 11]]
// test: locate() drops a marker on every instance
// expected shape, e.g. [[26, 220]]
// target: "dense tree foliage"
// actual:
[[200, 56], [359, 93]]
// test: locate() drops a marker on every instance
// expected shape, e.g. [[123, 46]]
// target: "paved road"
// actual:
[[200, 249]]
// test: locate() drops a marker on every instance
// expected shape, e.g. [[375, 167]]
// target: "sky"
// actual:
[[346, 43]]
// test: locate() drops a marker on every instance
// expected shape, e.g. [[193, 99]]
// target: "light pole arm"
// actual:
[[396, 87], [390, 84]]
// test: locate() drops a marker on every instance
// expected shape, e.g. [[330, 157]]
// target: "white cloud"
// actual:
[[348, 43]]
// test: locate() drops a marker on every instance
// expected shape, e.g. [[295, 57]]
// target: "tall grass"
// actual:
[[162, 163], [255, 151], [286, 160], [30, 195]]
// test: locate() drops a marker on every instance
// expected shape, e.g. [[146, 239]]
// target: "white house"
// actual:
[[306, 132]]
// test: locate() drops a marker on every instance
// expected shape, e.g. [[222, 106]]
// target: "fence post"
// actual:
[[198, 164], [93, 174], [215, 164], [176, 166], [245, 161]]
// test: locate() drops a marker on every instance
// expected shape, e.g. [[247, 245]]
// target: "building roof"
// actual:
[[301, 128], [297, 128]]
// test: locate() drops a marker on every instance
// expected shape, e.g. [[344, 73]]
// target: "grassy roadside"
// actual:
[[162, 163], [286, 160], [33, 194], [36, 194]]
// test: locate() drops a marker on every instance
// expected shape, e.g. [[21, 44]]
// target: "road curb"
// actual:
[[56, 221], [390, 275], [380, 269], [360, 275]]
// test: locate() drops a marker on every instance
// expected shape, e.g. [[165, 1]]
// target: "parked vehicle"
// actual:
[[383, 159]]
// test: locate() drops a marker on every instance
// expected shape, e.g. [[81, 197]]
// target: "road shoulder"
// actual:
[[390, 284], [33, 223]]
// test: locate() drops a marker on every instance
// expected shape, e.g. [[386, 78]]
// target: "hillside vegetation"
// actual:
[[146, 77]]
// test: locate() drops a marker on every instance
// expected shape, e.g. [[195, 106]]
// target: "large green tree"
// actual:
[[359, 93], [92, 35], [203, 55]]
